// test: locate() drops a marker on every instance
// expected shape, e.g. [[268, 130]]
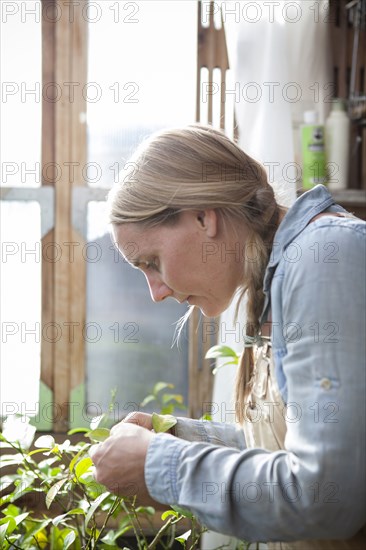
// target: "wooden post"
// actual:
[[212, 54], [78, 138], [45, 420], [64, 49]]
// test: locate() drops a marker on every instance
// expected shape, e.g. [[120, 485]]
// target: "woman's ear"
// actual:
[[208, 221]]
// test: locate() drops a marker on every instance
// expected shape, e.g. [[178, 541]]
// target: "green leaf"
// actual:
[[77, 456], [169, 513], [161, 386], [46, 441], [172, 397], [37, 527], [93, 489], [149, 510], [69, 539], [100, 434], [9, 460], [221, 351], [148, 399], [45, 465], [96, 421], [167, 409], [94, 506], [65, 446], [109, 538], [74, 512], [56, 539], [122, 531], [4, 444], [163, 422], [23, 486], [183, 538], [216, 369], [10, 522], [3, 531], [83, 466], [88, 480], [78, 430], [54, 490], [21, 517], [6, 481], [183, 512], [11, 510], [42, 450]]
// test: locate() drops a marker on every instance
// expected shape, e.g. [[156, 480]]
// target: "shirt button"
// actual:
[[325, 383]]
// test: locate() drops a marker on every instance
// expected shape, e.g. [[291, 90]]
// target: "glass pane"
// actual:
[[148, 84], [21, 87], [128, 337], [20, 306], [141, 77]]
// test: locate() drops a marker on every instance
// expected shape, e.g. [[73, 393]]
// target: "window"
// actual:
[[96, 78], [149, 84], [25, 210]]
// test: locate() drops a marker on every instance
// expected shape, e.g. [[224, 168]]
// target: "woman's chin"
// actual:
[[207, 309], [210, 311]]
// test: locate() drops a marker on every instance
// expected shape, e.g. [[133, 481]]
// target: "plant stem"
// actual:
[[12, 544], [38, 546], [111, 511], [159, 534], [123, 505], [135, 515], [195, 534], [172, 535]]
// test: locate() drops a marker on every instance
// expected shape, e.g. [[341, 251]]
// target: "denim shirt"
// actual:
[[315, 488]]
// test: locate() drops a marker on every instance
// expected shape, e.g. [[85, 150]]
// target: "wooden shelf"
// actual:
[[353, 200]]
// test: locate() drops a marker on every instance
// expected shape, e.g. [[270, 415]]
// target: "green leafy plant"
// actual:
[[77, 511], [221, 351], [166, 401]]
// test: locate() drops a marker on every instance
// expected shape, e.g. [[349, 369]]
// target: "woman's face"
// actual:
[[194, 260]]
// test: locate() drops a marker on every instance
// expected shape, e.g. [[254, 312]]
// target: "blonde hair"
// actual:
[[198, 167]]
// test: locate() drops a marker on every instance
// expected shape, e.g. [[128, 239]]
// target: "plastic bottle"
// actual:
[[313, 151], [337, 143]]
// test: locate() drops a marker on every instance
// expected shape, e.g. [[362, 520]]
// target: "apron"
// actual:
[[265, 427]]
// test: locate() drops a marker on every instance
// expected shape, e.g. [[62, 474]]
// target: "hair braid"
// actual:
[[261, 241]]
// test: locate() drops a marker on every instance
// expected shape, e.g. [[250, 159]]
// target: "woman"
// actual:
[[193, 198]]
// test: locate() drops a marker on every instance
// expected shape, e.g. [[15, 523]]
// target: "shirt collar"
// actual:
[[309, 204]]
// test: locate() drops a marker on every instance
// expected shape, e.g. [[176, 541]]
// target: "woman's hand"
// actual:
[[144, 420], [139, 418], [120, 461]]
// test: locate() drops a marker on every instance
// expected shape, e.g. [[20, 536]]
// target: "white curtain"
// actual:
[[279, 55]]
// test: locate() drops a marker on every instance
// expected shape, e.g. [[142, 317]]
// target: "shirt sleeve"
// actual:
[[315, 487], [217, 433]]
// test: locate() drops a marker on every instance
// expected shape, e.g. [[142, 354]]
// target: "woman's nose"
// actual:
[[158, 289]]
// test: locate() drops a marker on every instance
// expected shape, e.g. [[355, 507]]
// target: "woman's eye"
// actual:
[[152, 265]]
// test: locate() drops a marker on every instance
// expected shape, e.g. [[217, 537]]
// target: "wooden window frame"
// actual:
[[64, 60]]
